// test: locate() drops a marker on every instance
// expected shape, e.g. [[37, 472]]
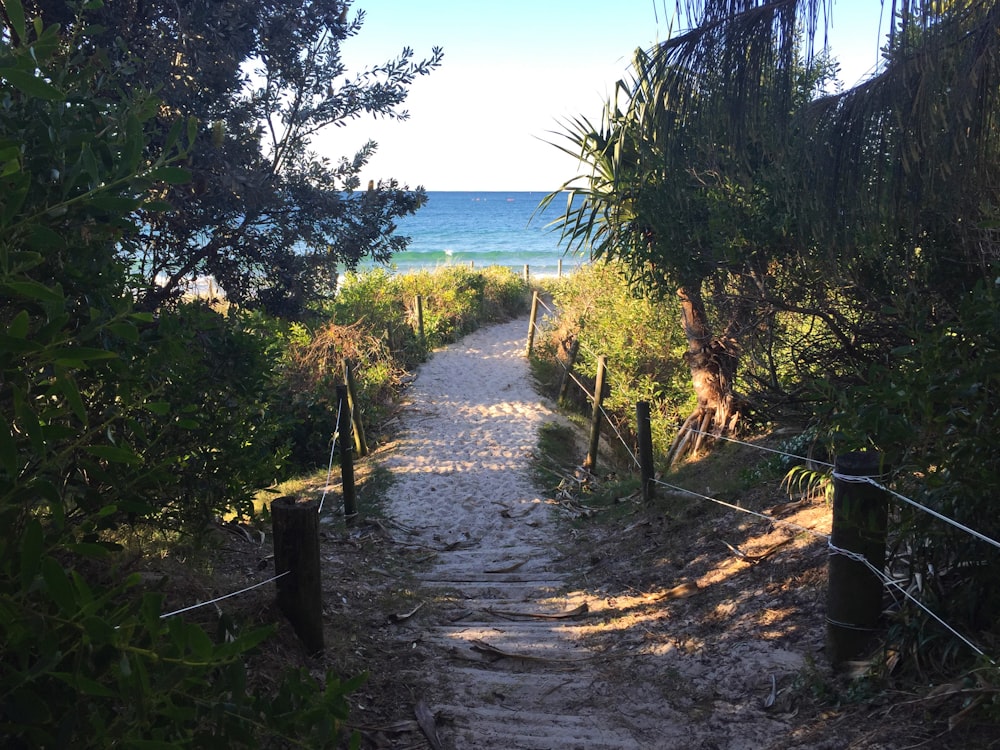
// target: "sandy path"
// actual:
[[469, 426]]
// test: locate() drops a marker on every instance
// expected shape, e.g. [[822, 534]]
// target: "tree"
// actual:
[[689, 214], [717, 169], [269, 219]]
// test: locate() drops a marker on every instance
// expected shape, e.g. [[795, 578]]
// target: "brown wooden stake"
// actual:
[[360, 443], [644, 434], [346, 456], [574, 350], [531, 323], [296, 560], [854, 592], [527, 275], [559, 271], [590, 464]]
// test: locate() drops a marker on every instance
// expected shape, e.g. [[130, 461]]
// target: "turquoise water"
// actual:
[[484, 229]]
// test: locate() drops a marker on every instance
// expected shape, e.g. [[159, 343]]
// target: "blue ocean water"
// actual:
[[484, 229]]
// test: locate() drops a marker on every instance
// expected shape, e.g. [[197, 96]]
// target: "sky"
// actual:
[[512, 74]]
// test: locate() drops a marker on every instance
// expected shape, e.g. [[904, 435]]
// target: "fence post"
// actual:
[[854, 592], [527, 275], [559, 269], [360, 443], [296, 554], [590, 463], [644, 434], [574, 349], [346, 456], [531, 323]]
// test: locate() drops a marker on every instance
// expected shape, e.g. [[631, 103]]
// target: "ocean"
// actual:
[[484, 229]]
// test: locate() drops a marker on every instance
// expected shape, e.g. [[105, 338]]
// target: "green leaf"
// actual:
[[158, 407], [67, 385], [59, 586], [114, 454], [125, 331], [34, 290], [199, 643], [31, 552], [81, 354], [115, 203], [89, 549], [8, 447], [15, 12], [170, 175], [18, 327], [43, 238], [28, 84], [84, 685]]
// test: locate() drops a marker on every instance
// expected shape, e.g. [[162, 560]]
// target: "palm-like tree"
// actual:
[[715, 165]]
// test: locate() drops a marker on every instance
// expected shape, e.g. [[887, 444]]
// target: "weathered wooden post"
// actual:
[[346, 456], [559, 269], [567, 376], [296, 555], [854, 593], [590, 463], [419, 304], [360, 443], [644, 434], [527, 275], [531, 323]]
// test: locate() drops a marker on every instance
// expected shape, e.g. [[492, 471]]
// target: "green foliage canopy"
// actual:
[[263, 214]]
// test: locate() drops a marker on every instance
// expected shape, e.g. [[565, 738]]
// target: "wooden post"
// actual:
[[590, 463], [296, 555], [420, 320], [346, 456], [527, 276], [360, 443], [559, 267], [531, 323], [574, 349], [644, 435], [854, 592]]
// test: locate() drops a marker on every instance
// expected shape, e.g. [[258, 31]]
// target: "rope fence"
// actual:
[[884, 580], [217, 599]]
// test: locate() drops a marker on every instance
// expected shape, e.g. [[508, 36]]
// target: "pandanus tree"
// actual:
[[687, 204], [721, 174]]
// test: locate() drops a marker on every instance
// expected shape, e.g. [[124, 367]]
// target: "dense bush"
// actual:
[[641, 339], [372, 324], [457, 300], [933, 410], [110, 417]]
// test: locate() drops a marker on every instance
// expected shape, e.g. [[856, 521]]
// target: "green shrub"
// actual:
[[641, 339], [108, 416], [933, 409]]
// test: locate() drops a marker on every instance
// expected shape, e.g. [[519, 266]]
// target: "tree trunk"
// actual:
[[713, 362]]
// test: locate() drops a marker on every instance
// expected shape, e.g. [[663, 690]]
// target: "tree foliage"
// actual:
[[112, 416], [262, 213]]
